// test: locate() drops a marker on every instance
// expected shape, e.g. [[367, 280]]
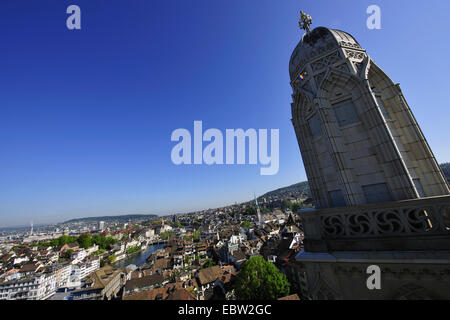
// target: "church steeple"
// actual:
[[367, 145], [258, 211]]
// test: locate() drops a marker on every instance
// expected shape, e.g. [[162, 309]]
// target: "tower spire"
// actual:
[[258, 210]]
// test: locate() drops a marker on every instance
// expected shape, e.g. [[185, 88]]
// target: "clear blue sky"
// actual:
[[86, 116]]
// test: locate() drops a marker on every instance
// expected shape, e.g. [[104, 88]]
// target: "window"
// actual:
[[377, 193], [337, 199], [315, 126], [346, 113]]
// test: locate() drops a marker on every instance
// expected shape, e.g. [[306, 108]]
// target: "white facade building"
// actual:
[[132, 243], [62, 275], [78, 256], [150, 233], [81, 271], [92, 249], [35, 287]]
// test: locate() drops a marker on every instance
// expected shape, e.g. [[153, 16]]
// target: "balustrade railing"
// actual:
[[394, 220]]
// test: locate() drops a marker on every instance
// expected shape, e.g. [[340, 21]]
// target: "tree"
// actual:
[[166, 235], [261, 280], [178, 224], [250, 211], [295, 207], [187, 238], [196, 235], [84, 240], [285, 204], [246, 224], [98, 252], [133, 249], [68, 253], [196, 224], [265, 210], [111, 259], [208, 263], [99, 240], [63, 240], [110, 241], [103, 242]]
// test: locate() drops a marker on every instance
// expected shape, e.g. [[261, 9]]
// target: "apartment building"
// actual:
[[39, 286]]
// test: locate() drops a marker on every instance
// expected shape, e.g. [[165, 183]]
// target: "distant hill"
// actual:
[[297, 188], [122, 218]]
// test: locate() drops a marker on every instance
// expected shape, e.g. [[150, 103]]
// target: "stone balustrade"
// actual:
[[418, 224]]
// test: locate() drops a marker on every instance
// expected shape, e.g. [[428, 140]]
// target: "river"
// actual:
[[138, 258]]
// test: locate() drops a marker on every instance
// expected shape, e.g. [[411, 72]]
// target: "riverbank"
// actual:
[[138, 258]]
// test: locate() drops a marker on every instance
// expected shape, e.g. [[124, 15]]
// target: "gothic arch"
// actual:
[[336, 79], [303, 108]]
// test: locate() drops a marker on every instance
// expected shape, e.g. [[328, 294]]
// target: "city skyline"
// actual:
[[88, 114]]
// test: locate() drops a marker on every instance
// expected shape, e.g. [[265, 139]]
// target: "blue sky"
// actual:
[[87, 115]]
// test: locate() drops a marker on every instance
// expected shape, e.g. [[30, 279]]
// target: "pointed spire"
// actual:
[[258, 210]]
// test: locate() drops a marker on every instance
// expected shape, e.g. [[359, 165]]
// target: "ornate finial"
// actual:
[[305, 21]]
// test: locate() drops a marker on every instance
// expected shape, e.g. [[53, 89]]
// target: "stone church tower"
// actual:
[[359, 140], [380, 196]]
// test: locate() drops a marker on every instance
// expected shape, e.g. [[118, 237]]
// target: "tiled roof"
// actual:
[[291, 297], [239, 255], [173, 291], [146, 281], [209, 275], [29, 267], [161, 264], [181, 294], [101, 277]]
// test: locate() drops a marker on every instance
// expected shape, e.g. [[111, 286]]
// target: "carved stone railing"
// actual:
[[417, 224]]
